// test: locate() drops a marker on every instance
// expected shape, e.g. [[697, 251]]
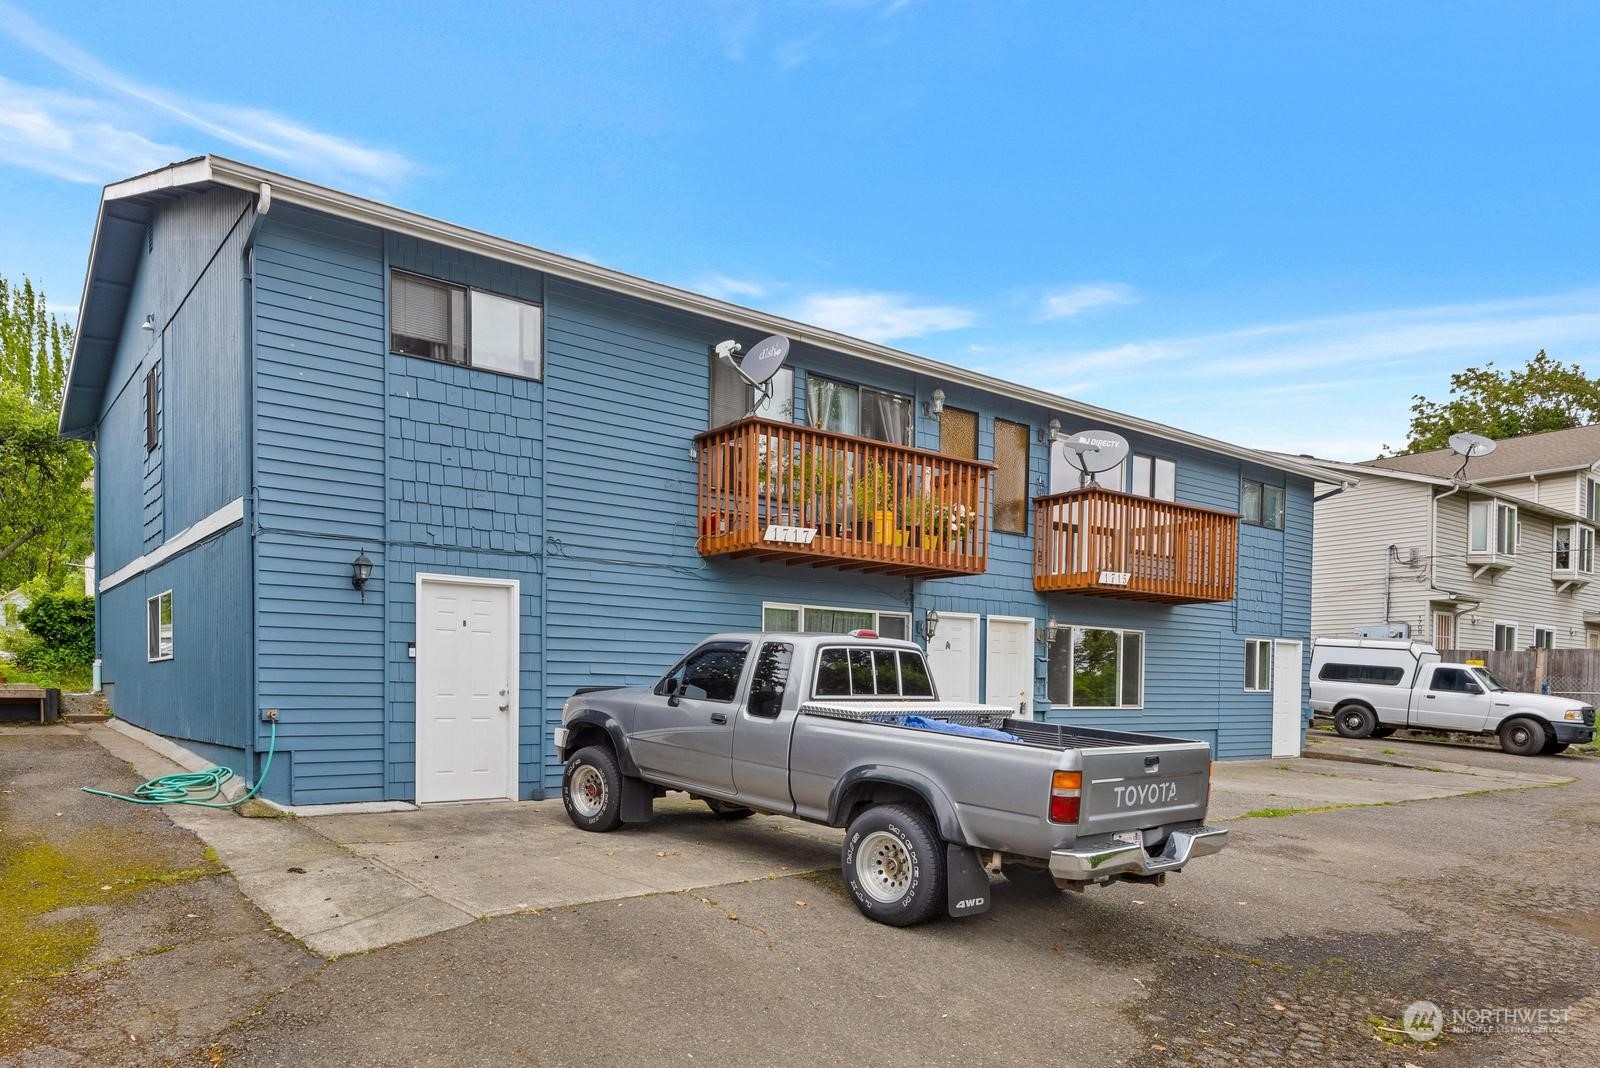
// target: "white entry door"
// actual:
[[467, 637], [1288, 718], [1008, 674], [953, 657]]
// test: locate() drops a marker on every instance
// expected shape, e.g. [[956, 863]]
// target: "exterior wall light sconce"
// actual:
[[934, 405], [1048, 433], [360, 572], [1048, 633], [930, 623], [148, 324]]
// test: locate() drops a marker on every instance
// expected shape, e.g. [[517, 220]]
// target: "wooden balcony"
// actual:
[[776, 491], [1112, 544]]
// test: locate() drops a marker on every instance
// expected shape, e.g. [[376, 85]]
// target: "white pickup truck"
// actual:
[[1373, 687]]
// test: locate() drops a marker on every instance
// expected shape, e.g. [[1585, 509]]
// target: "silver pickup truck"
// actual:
[[848, 730]]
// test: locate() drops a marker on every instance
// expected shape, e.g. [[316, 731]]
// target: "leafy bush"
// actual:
[[63, 626]]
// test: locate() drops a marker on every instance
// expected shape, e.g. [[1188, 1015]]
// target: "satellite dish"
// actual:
[[758, 366], [1470, 445], [1094, 451], [764, 359]]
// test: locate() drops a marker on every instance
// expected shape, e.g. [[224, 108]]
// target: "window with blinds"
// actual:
[[1010, 477], [456, 324]]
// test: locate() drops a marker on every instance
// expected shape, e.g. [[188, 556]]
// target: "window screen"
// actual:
[[1011, 477]]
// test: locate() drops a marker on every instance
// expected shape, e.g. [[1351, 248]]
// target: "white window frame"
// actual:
[[1589, 504], [469, 294], [1262, 648], [1068, 632], [1500, 518], [1507, 624], [1152, 466], [1544, 637], [877, 616], [1580, 549], [152, 627]]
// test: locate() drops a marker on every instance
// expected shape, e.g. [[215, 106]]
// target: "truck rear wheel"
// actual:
[[893, 862], [1354, 721], [1522, 737], [591, 789]]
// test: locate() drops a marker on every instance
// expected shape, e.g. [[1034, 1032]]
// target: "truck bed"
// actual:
[[1056, 736]]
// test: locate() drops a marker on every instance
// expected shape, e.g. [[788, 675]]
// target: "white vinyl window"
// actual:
[[1574, 549], [816, 619], [1151, 476], [1257, 666], [1096, 667], [1492, 528], [1591, 500], [1544, 638], [1505, 637], [454, 324], [158, 626], [1261, 504]]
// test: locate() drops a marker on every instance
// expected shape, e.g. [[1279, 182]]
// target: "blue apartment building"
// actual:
[[408, 485]]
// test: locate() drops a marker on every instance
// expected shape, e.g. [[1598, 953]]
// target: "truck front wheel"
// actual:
[[1523, 737], [1354, 721], [591, 789], [893, 862]]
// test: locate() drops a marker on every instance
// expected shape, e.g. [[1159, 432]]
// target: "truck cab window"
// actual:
[[1453, 680], [833, 673], [914, 680], [861, 674], [710, 673], [771, 679]]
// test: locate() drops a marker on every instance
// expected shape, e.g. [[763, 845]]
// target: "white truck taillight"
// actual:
[[1066, 794]]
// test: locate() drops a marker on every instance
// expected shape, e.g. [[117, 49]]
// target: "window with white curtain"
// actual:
[[815, 619], [1492, 528], [847, 408]]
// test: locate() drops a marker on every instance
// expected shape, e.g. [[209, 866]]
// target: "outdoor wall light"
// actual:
[[148, 324], [1048, 434], [934, 405], [930, 623], [1047, 633], [360, 572]]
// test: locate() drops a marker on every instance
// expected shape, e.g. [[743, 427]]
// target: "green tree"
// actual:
[[1545, 395], [46, 509]]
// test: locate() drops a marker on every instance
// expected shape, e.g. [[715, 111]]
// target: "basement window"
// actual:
[[440, 321]]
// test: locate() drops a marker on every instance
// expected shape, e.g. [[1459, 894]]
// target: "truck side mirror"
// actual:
[[675, 692]]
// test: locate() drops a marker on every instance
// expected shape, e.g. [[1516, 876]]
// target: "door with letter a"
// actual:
[[953, 657], [467, 637]]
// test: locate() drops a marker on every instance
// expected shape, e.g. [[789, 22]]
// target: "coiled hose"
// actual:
[[187, 788]]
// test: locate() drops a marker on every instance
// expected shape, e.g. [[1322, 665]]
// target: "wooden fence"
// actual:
[[1564, 672]]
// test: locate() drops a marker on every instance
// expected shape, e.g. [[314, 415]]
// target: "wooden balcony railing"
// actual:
[[801, 495], [1113, 544]]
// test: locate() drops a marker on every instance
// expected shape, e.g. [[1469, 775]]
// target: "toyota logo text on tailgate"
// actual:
[[1150, 793]]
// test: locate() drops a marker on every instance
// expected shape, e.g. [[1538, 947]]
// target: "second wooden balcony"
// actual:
[[1113, 544], [799, 495]]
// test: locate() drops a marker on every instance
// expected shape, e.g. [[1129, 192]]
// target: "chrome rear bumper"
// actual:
[[1116, 859]]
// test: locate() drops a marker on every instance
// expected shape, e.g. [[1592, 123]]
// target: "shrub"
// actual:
[[64, 627]]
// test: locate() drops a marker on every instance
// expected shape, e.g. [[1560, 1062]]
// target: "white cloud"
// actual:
[[724, 287], [1065, 303], [879, 316], [49, 121]]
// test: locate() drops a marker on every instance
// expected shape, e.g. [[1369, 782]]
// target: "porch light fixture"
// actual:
[[930, 623], [148, 324], [360, 572], [1047, 633], [934, 405], [1048, 434]]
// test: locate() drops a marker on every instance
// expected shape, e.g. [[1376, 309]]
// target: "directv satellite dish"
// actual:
[[1469, 445], [763, 361], [1093, 451]]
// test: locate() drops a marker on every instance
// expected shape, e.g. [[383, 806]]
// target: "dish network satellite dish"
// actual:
[[764, 360], [1469, 445], [1092, 452]]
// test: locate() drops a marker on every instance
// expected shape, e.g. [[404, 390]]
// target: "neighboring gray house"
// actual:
[[1498, 556]]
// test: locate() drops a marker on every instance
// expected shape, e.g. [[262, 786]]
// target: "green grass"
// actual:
[[67, 680], [1276, 813]]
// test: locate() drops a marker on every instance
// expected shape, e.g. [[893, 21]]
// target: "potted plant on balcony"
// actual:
[[928, 519], [819, 476], [958, 520], [875, 502]]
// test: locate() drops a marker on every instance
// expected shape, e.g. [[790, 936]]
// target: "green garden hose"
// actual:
[[185, 788]]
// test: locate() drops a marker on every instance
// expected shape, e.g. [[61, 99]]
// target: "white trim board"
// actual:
[[187, 538]]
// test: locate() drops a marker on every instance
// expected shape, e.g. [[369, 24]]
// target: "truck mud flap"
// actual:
[[967, 891], [638, 801]]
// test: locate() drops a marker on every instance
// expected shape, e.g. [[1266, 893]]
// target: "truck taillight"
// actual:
[[1066, 792]]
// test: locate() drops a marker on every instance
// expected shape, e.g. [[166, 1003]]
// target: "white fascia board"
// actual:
[[215, 523], [387, 217]]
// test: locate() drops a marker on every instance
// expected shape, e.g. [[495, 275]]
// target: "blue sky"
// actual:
[[1268, 222]]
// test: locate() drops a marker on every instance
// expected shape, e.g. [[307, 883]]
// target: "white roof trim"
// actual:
[[359, 209]]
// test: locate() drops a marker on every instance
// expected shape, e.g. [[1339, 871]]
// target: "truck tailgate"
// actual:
[[1138, 787]]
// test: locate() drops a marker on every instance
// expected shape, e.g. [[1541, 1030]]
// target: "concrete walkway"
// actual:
[[349, 883]]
